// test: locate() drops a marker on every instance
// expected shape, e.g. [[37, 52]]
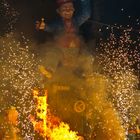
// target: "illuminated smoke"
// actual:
[[19, 76]]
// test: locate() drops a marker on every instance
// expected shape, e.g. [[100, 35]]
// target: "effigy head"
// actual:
[[65, 8]]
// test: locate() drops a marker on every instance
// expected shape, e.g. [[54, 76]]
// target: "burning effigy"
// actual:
[[62, 91], [71, 104]]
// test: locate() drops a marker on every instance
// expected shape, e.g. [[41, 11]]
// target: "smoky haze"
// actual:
[[68, 84]]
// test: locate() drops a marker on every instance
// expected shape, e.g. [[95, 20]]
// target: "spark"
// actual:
[[19, 75], [120, 57]]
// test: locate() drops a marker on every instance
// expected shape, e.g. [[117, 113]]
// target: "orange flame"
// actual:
[[49, 126]]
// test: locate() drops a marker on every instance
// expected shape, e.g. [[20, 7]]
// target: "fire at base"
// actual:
[[49, 126]]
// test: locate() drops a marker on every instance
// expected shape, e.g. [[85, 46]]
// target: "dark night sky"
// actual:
[[113, 11], [105, 11], [109, 9]]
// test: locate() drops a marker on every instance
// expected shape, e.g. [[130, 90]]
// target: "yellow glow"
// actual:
[[45, 127], [41, 112], [63, 133], [45, 72]]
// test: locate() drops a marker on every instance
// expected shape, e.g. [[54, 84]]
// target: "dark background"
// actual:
[[105, 11]]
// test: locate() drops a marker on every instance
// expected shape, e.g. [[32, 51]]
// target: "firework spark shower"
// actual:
[[70, 92]]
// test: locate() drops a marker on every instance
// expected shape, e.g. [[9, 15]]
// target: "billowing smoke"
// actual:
[[86, 95]]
